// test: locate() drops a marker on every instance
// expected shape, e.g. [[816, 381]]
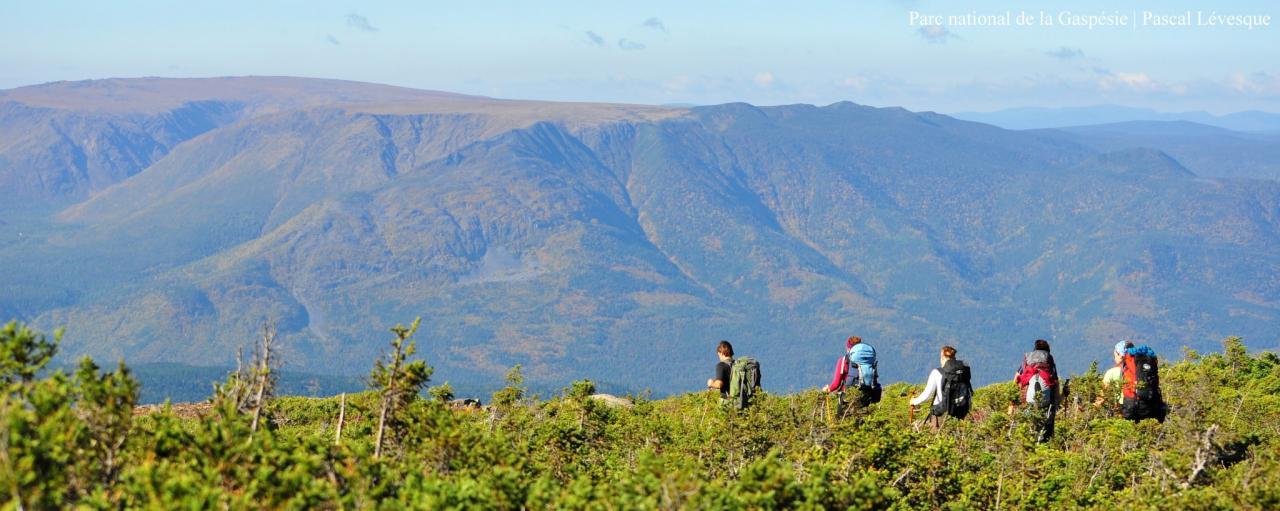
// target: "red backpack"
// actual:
[[1036, 379]]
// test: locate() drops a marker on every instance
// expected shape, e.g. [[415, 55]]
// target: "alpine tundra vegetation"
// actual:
[[76, 439]]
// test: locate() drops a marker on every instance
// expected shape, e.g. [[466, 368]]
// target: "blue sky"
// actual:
[[670, 52]]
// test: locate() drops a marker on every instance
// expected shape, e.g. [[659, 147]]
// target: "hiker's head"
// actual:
[[1117, 351], [725, 349], [1042, 345], [948, 353], [852, 341]]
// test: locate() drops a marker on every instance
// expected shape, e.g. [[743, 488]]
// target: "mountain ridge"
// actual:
[[1042, 117], [620, 245]]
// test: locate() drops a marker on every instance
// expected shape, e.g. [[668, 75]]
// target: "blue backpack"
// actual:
[[863, 357]]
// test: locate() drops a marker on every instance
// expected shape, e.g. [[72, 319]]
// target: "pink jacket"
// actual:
[[841, 374]]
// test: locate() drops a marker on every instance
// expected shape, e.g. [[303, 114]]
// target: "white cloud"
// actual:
[[655, 24], [857, 83], [628, 44], [1257, 83], [359, 22], [936, 34], [1066, 53], [677, 84], [764, 79], [1131, 81]]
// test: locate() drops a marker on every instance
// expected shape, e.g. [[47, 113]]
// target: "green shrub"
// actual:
[[73, 441]]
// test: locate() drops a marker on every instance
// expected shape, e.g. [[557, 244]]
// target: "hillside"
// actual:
[[611, 242], [67, 140], [77, 440], [1043, 118], [1206, 150]]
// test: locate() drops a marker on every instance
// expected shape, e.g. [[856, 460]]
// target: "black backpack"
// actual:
[[957, 389], [869, 395], [1141, 390]]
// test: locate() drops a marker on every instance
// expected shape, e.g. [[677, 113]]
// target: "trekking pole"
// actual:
[[824, 401], [342, 417], [706, 403]]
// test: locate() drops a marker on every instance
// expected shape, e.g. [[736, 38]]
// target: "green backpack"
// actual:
[[744, 381]]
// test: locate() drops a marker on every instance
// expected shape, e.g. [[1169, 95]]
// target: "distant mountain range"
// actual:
[[163, 220], [1205, 150], [1037, 117]]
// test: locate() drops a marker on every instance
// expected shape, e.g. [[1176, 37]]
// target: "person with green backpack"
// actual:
[[724, 369], [737, 379], [951, 387]]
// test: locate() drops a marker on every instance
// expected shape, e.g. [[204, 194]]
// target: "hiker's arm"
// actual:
[[929, 389], [715, 384], [837, 380]]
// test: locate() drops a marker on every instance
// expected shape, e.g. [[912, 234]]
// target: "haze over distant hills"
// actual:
[[1039, 117], [1205, 150], [162, 220]]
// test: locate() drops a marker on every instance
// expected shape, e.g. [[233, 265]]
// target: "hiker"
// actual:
[[1038, 381], [1113, 378], [1140, 387], [951, 389], [857, 367], [737, 379], [723, 369]]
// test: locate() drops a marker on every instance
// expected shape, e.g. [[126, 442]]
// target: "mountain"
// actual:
[[1038, 118], [620, 242], [1205, 150], [67, 140]]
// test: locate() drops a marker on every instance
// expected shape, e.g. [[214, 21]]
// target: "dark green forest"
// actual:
[[76, 439]]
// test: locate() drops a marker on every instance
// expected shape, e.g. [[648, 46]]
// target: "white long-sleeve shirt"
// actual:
[[933, 387]]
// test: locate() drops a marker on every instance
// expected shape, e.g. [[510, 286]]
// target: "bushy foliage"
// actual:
[[72, 440]]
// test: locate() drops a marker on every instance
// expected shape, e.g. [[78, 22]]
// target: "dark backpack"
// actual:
[[1141, 390], [957, 389], [744, 381]]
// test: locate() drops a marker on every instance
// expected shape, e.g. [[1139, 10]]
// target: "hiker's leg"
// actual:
[[1052, 417]]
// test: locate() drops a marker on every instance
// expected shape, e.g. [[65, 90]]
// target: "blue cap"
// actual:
[[1119, 349]]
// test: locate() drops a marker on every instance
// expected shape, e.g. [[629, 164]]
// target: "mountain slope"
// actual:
[[66, 140], [620, 243], [1206, 150], [1040, 118]]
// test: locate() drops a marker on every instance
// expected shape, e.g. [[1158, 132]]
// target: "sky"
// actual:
[[685, 52]]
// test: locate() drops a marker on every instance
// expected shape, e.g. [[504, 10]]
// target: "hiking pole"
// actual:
[[706, 403]]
